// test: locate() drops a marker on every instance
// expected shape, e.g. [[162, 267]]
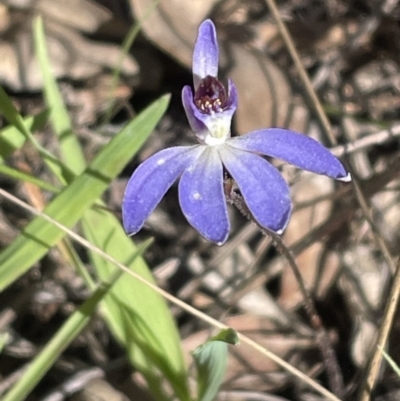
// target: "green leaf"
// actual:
[[391, 362], [211, 359], [67, 208], [126, 309], [11, 114], [11, 137], [4, 338], [24, 177], [56, 346], [71, 151], [228, 336], [166, 355], [138, 316], [126, 46], [15, 119]]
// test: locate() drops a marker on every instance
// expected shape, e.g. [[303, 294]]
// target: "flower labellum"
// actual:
[[210, 109]]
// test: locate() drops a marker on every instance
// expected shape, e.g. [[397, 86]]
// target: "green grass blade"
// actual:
[[11, 114], [54, 348], [391, 362], [15, 119], [67, 208], [4, 338], [71, 151], [11, 137], [125, 302], [126, 45], [24, 177], [137, 315]]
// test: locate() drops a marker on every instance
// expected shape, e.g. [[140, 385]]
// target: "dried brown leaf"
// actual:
[[265, 96], [173, 25], [82, 15], [70, 53]]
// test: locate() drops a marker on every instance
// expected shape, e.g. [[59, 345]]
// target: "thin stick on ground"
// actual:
[[365, 142], [390, 309]]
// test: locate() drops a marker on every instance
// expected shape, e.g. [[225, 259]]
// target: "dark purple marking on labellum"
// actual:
[[210, 96]]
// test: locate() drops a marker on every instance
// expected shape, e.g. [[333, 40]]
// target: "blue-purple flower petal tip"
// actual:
[[345, 178], [206, 53], [200, 168]]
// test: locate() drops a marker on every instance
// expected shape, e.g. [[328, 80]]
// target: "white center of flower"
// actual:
[[219, 128]]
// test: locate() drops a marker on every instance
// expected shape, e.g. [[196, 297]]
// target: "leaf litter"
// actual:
[[350, 51]]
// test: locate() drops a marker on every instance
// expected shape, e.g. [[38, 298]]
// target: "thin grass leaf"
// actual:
[[11, 137], [130, 301], [126, 45], [67, 208], [56, 346], [69, 253], [4, 338], [11, 114], [137, 315], [391, 362], [71, 151], [15, 119], [24, 177]]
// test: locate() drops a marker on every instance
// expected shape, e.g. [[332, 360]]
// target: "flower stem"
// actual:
[[334, 374]]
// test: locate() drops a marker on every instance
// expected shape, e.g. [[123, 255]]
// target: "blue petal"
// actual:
[[292, 147], [232, 96], [205, 54], [202, 199], [264, 190], [150, 182], [192, 113]]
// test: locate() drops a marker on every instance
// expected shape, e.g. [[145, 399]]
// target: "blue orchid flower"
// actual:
[[201, 167]]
